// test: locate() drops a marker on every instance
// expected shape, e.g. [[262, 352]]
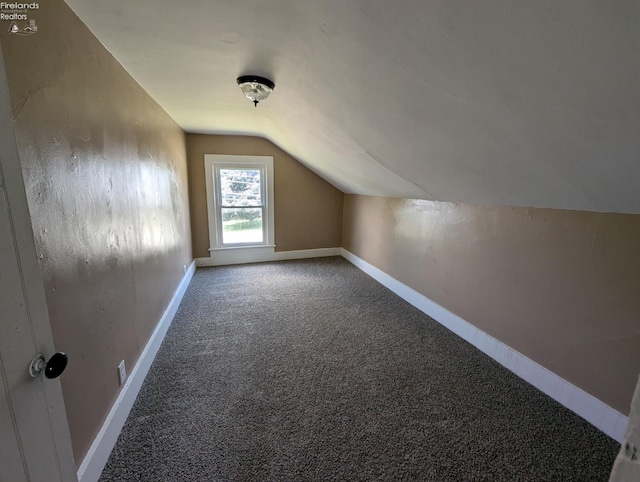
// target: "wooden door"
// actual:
[[34, 436]]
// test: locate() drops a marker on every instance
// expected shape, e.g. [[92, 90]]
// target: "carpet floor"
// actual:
[[311, 371]]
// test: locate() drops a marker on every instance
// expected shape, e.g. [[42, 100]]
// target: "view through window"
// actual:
[[242, 205]]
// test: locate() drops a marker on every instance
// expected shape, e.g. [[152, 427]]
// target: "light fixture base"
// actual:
[[255, 88]]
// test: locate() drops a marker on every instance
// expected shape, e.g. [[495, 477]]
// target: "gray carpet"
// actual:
[[310, 370]]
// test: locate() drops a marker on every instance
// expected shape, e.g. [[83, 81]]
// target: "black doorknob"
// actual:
[[52, 368], [56, 365]]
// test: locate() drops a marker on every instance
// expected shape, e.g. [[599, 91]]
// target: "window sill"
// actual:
[[248, 246]]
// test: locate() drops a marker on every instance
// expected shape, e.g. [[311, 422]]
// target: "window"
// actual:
[[239, 201], [240, 204]]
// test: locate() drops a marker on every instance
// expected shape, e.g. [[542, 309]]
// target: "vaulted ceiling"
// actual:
[[526, 103]]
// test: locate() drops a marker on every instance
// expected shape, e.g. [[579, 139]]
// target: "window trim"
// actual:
[[212, 165]]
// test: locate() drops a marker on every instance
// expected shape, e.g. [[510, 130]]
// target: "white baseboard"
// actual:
[[594, 411], [98, 454], [259, 255]]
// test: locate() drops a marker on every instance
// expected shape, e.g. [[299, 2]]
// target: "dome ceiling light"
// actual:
[[255, 88]]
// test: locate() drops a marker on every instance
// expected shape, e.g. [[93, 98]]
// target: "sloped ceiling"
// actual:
[[527, 103]]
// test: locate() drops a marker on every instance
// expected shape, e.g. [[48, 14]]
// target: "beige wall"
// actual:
[[561, 287], [105, 172], [308, 210]]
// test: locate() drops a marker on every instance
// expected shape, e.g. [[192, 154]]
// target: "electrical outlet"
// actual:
[[122, 372]]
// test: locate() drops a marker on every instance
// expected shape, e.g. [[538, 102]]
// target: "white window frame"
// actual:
[[212, 165]]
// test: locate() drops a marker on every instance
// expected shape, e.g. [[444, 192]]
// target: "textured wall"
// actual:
[[561, 287], [308, 210], [105, 172]]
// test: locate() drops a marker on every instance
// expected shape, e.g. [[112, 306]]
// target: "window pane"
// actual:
[[241, 225], [240, 187]]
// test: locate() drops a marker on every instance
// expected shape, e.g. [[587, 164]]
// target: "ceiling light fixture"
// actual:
[[255, 88]]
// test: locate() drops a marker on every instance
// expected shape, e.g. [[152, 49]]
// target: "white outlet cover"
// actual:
[[122, 372]]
